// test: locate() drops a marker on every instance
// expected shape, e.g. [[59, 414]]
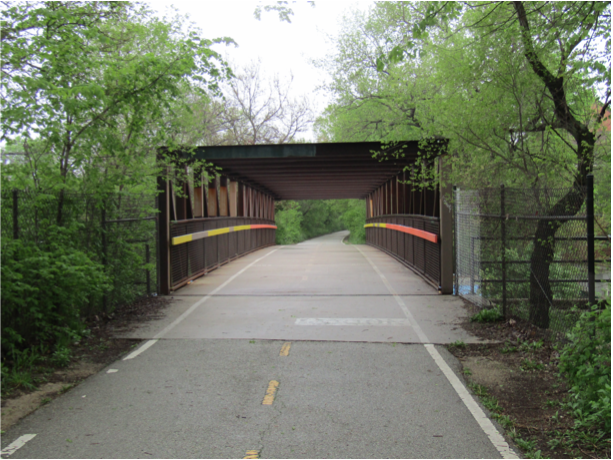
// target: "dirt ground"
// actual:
[[523, 378]]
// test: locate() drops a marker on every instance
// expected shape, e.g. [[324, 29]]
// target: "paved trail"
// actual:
[[318, 350]]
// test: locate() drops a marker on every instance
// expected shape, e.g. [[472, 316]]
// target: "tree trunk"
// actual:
[[544, 243]]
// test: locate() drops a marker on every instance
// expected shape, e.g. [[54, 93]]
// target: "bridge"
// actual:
[[314, 350], [207, 223]]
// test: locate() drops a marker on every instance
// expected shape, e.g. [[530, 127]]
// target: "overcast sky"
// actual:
[[281, 47]]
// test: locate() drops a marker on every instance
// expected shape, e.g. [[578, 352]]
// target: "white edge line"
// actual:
[[189, 311], [17, 444], [415, 326], [139, 350], [483, 420]]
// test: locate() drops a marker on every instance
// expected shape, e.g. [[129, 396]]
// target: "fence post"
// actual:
[[591, 275], [147, 257], [503, 242], [472, 264], [15, 214], [104, 256], [456, 195]]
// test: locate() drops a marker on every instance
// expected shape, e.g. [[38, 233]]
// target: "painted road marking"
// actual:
[[17, 444], [191, 309], [352, 322], [138, 351], [112, 371], [270, 393], [252, 454], [399, 301], [482, 420], [285, 349]]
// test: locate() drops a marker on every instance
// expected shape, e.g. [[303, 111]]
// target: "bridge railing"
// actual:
[[198, 246], [412, 239]]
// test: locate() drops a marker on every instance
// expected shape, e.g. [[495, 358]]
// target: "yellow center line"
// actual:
[[252, 454], [285, 349], [270, 393]]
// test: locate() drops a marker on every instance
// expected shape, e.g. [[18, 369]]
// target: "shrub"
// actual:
[[586, 363], [354, 220], [289, 226], [44, 288], [487, 316]]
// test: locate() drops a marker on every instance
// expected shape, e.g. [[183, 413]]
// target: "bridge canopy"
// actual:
[[312, 171]]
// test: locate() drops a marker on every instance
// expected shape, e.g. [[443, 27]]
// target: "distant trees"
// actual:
[[252, 108], [300, 220]]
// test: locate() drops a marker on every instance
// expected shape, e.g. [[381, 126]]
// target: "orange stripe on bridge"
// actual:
[[428, 236]]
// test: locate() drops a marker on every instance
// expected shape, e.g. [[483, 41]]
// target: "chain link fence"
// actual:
[[118, 231], [525, 253]]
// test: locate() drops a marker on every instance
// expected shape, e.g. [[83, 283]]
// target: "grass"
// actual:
[[531, 346], [491, 315], [458, 344], [530, 365], [491, 404]]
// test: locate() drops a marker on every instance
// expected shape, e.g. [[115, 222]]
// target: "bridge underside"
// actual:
[[232, 212]]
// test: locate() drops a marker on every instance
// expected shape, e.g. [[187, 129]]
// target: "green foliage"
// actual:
[[530, 365], [44, 289], [90, 91], [289, 224], [508, 348], [300, 220], [586, 363], [61, 357], [486, 315], [354, 220], [531, 346], [475, 74]]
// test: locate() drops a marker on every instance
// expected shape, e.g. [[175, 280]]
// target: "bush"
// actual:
[[44, 289], [288, 226], [354, 220], [486, 315], [586, 363]]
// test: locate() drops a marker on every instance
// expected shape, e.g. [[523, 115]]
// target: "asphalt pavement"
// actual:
[[317, 350]]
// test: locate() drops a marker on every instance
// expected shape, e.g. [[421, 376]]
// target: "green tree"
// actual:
[[89, 92], [91, 83], [520, 90]]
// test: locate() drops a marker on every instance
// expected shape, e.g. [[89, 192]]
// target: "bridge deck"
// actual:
[[320, 289]]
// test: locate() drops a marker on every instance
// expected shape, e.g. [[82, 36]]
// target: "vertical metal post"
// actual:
[[15, 214], [456, 194], [472, 264], [164, 234], [104, 257], [147, 258], [157, 251], [591, 272], [445, 228], [503, 254]]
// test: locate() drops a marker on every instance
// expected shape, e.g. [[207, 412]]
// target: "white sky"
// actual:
[[281, 47]]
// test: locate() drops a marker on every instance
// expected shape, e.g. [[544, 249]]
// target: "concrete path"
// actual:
[[321, 289], [311, 367]]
